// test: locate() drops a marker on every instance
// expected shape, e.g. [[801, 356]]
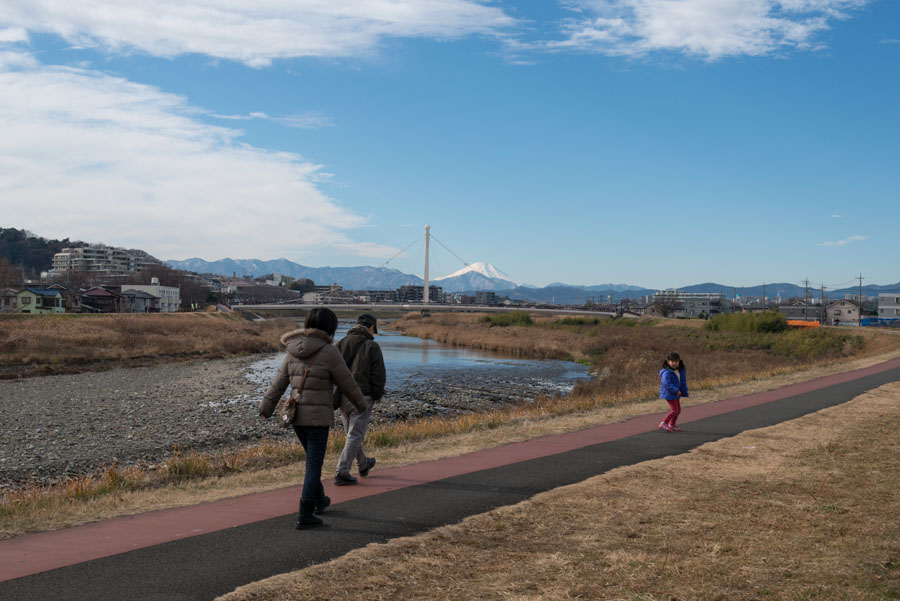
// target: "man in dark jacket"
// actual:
[[363, 356]]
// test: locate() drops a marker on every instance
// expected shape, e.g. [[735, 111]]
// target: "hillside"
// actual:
[[33, 253]]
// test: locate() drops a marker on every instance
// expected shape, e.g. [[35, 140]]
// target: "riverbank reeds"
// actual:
[[625, 360], [47, 344]]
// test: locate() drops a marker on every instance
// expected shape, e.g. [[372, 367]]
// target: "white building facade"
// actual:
[[98, 259], [889, 305], [694, 304], [169, 296]]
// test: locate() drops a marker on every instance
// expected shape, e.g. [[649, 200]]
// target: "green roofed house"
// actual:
[[40, 300]]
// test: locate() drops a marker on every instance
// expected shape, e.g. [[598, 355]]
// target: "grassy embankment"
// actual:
[[625, 355], [51, 344], [801, 511]]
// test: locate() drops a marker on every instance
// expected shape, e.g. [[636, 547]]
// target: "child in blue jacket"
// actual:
[[672, 387]]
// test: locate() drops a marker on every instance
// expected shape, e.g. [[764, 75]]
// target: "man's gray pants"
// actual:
[[355, 424]]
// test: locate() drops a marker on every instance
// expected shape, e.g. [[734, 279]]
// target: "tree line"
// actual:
[[30, 253]]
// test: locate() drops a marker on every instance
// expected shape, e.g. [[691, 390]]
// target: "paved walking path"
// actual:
[[203, 551]]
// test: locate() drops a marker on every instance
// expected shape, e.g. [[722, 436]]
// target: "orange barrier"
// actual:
[[799, 323]]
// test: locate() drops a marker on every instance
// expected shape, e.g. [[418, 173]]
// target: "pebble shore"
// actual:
[[55, 427]]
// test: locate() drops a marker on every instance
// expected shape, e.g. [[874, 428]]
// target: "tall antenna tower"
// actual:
[[425, 294]]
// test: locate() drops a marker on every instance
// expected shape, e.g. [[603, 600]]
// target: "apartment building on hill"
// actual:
[[100, 260]]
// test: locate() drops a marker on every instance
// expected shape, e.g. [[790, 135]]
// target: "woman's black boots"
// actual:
[[307, 519], [322, 504]]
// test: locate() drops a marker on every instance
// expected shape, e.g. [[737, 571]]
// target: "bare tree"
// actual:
[[666, 306], [10, 275]]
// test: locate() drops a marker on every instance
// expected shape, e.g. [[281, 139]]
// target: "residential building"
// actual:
[[137, 301], [693, 304], [374, 296], [485, 297], [8, 300], [40, 300], [71, 298], [231, 286], [169, 296], [416, 294], [802, 311], [842, 313], [100, 260], [102, 300], [889, 305]]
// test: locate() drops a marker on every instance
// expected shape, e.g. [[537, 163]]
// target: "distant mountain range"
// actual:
[[356, 278], [485, 277], [477, 276]]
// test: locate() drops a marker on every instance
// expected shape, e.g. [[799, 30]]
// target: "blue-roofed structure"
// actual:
[[40, 301]]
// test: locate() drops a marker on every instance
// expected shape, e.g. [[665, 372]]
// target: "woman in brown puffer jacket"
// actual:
[[312, 348]]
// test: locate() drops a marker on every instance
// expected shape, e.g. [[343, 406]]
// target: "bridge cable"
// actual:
[[464, 262]]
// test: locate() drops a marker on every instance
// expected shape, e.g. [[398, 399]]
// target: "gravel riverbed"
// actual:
[[55, 427]]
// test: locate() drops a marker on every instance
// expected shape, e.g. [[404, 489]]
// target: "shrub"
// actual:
[[516, 318], [769, 321], [578, 321], [627, 322], [816, 344]]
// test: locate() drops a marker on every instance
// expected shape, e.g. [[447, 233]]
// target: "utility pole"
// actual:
[[861, 278], [822, 308], [765, 304], [425, 294], [806, 300]]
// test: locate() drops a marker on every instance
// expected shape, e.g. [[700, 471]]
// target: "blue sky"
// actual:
[[658, 143]]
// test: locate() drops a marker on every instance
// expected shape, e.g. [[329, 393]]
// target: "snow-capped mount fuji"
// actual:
[[477, 276]]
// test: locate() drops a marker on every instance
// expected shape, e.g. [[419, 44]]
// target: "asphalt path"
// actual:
[[206, 566]]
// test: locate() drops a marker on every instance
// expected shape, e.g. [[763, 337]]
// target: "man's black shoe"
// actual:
[[370, 463], [344, 479]]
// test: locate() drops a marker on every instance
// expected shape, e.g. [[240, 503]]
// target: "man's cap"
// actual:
[[368, 320]]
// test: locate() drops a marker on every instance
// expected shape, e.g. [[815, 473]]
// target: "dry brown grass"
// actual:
[[804, 510], [45, 344]]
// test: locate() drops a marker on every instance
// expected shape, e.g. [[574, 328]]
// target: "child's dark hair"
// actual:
[[673, 357], [322, 318]]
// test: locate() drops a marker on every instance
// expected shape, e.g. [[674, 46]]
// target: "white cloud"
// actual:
[[836, 216], [254, 32], [845, 241], [305, 121], [709, 29], [14, 34], [367, 249], [99, 158]]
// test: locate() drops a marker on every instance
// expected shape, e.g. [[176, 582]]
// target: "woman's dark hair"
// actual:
[[674, 357], [323, 319]]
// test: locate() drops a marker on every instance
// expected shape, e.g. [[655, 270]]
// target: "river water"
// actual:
[[425, 377]]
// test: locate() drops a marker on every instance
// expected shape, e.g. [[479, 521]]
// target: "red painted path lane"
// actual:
[[35, 553]]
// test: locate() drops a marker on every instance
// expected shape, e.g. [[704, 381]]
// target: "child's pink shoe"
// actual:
[[665, 427], [674, 429]]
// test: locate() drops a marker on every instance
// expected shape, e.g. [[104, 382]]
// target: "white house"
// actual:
[[169, 296], [889, 305]]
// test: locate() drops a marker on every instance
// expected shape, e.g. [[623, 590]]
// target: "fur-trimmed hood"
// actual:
[[302, 343]]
